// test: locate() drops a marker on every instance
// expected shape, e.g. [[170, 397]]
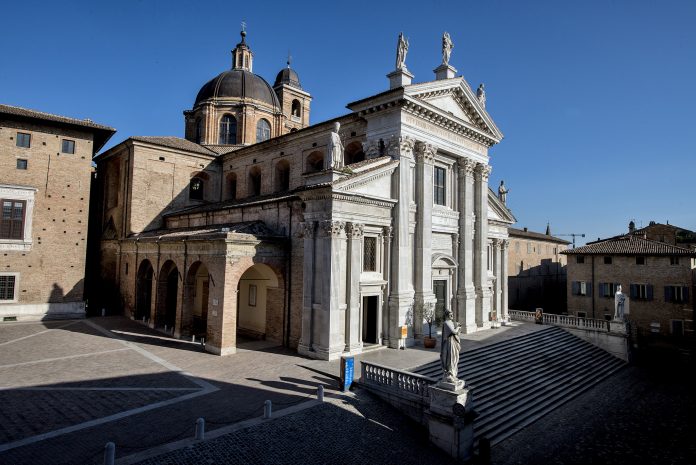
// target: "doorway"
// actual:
[[369, 329], [440, 291]]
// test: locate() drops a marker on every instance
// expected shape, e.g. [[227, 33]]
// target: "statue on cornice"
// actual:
[[335, 149], [401, 50], [502, 192], [481, 94], [447, 46]]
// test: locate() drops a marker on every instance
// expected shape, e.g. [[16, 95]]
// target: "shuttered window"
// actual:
[[12, 219], [677, 294], [641, 291]]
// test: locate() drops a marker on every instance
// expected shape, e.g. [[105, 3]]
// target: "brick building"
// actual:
[[658, 278], [329, 237], [45, 175], [536, 271]]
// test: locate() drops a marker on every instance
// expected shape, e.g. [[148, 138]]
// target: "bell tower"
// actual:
[[294, 100]]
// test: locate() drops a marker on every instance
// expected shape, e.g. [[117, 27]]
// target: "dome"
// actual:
[[238, 83], [288, 76]]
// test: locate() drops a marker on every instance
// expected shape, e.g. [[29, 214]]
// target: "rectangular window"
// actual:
[[370, 254], [517, 246], [581, 288], [608, 289], [580, 259], [607, 260], [22, 164], [674, 260], [676, 294], [7, 287], [23, 140], [641, 291], [640, 260], [12, 219], [68, 146], [529, 247], [582, 314], [252, 295], [439, 186]]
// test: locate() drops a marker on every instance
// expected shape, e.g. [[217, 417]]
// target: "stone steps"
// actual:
[[517, 381]]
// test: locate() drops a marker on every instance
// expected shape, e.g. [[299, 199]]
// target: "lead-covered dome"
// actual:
[[287, 76], [241, 84]]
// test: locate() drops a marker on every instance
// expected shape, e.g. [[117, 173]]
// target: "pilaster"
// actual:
[[504, 314], [354, 232], [483, 291], [466, 290], [307, 231]]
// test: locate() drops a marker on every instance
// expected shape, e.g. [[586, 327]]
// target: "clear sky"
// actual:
[[596, 99]]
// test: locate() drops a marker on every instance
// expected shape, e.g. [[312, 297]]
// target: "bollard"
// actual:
[[165, 328], [143, 318], [103, 312], [267, 409], [320, 393], [193, 338], [109, 453], [200, 430]]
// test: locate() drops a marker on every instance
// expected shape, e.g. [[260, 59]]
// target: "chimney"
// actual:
[[525, 229], [631, 226]]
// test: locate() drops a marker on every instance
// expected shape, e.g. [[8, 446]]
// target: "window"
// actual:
[[439, 186], [581, 288], [199, 131], [231, 186], [8, 283], [582, 314], [370, 254], [640, 260], [641, 291], [315, 162], [580, 259], [228, 130], [22, 164], [529, 247], [255, 181], [676, 294], [607, 260], [282, 176], [674, 260], [252, 295], [68, 146], [23, 140], [677, 327], [517, 246], [263, 130], [296, 108], [12, 219], [196, 189], [608, 289]]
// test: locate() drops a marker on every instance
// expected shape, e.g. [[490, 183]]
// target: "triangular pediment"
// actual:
[[373, 179], [454, 98]]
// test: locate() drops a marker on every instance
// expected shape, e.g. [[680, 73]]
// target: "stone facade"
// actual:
[[45, 177], [271, 240], [536, 271]]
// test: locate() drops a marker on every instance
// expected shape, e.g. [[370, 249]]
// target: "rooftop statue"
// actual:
[[401, 50], [447, 46]]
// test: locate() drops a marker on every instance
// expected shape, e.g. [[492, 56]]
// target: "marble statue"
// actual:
[[401, 50], [447, 46], [620, 304], [502, 192], [481, 94], [335, 149], [449, 349]]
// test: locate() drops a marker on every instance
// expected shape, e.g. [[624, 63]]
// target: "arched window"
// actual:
[[354, 153], [228, 130], [199, 130], [255, 181], [282, 178], [231, 186], [196, 186], [296, 108], [263, 130], [315, 162]]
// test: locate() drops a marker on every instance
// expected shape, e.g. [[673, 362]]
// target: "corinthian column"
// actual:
[[401, 296], [424, 297], [483, 290], [466, 291], [308, 272], [354, 231], [505, 316]]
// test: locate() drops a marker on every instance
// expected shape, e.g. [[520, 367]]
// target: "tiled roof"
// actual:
[[629, 245], [175, 143], [223, 149], [256, 228], [274, 197], [27, 113], [514, 232]]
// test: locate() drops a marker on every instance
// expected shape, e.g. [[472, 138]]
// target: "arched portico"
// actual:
[[167, 295], [194, 319], [258, 295], [143, 303]]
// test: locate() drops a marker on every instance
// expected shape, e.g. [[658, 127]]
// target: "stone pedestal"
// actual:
[[450, 420], [399, 78], [444, 72]]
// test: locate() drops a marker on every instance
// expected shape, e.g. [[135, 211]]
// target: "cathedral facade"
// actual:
[[330, 238]]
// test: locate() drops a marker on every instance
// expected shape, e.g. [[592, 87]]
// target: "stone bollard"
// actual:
[[193, 338], [267, 409], [165, 328], [109, 453], [103, 312], [200, 430], [320, 393], [143, 318]]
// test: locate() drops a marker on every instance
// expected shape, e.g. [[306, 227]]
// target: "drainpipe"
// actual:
[[593, 292]]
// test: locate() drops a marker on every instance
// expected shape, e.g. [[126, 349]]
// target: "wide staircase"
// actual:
[[517, 381]]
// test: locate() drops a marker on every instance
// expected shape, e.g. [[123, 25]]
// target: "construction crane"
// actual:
[[573, 235]]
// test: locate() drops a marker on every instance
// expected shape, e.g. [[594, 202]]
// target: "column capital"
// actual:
[[483, 171], [504, 243], [307, 229], [332, 228], [371, 148], [355, 230], [425, 152], [400, 145], [466, 167], [388, 232]]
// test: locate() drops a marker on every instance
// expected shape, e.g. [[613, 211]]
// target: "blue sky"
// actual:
[[596, 98]]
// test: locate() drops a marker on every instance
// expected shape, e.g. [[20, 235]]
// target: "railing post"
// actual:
[[267, 409]]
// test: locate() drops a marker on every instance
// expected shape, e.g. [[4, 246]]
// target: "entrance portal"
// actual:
[[257, 286], [369, 329], [440, 291]]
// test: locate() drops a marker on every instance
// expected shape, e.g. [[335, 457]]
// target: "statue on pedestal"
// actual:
[[502, 192], [449, 350], [620, 305], [401, 50], [481, 94], [447, 46], [335, 149]]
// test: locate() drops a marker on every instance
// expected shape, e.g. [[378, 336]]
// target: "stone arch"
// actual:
[[231, 186], [315, 162], [167, 294], [282, 176], [260, 303], [143, 289], [353, 153], [254, 186], [296, 109], [194, 318]]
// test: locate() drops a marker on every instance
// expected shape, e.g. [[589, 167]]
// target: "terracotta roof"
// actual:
[[255, 228], [175, 143], [222, 149], [514, 232], [102, 133], [274, 197], [629, 245]]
